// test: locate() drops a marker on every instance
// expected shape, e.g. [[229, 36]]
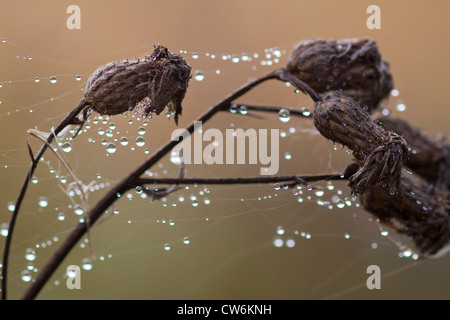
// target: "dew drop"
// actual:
[[319, 193], [36, 79], [30, 254], [290, 243], [53, 79], [186, 240], [400, 107], [43, 202], [167, 247], [34, 180], [123, 141], [199, 76], [141, 130], [140, 141], [175, 158], [66, 147], [280, 230], [194, 55], [78, 77], [4, 229], [194, 203], [284, 115], [277, 186], [78, 210], [11, 206], [26, 276], [306, 112], [287, 156], [111, 147], [61, 216], [86, 264], [278, 242]]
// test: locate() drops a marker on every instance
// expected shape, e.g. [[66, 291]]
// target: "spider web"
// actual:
[[202, 241]]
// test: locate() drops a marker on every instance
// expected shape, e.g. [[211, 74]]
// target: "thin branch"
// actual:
[[131, 180], [296, 179]]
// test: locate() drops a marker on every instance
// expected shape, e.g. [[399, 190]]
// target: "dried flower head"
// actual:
[[354, 66], [379, 153], [119, 86]]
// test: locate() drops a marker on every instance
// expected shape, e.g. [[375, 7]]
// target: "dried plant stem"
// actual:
[[70, 119], [133, 179], [294, 179]]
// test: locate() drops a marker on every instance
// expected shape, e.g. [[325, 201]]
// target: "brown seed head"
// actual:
[[119, 86], [354, 66]]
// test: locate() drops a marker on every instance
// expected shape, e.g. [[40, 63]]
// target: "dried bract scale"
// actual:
[[119, 86], [429, 158], [354, 66], [415, 212], [379, 153]]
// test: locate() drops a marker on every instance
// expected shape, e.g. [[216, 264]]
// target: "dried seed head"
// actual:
[[379, 153], [354, 66], [119, 86]]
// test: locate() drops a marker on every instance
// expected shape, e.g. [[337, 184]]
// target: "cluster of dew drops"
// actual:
[[111, 138]]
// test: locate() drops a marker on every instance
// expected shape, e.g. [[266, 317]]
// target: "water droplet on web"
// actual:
[[43, 202], [280, 230], [111, 147], [140, 141], [175, 158], [11, 206], [277, 186], [235, 59], [186, 240], [306, 112], [284, 115], [61, 216], [199, 76], [26, 276], [194, 55], [278, 242], [66, 147], [123, 141], [36, 79], [395, 93], [287, 156], [346, 236], [290, 243], [78, 77], [30, 254], [86, 264], [400, 107], [194, 203], [53, 79], [4, 227], [384, 233], [319, 193], [34, 180], [141, 130], [78, 210], [167, 247]]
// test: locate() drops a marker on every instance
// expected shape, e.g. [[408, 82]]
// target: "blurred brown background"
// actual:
[[231, 256]]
